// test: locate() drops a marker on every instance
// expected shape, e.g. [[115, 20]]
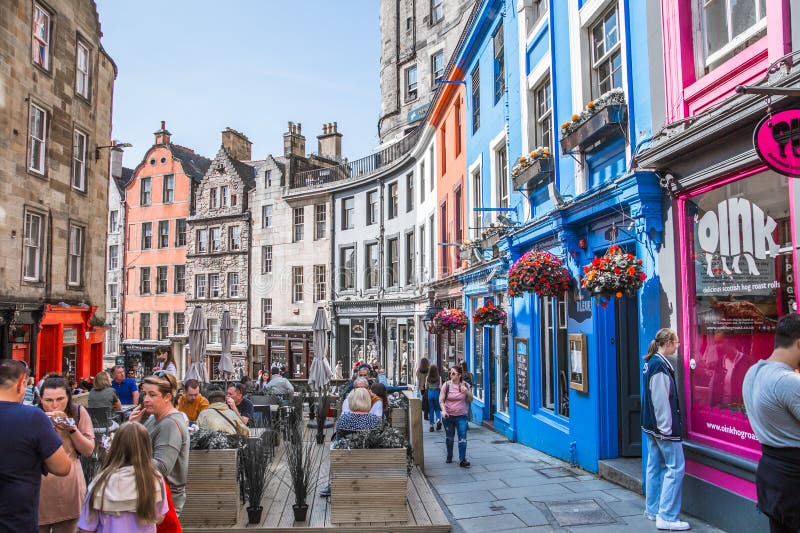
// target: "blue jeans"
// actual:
[[434, 410], [451, 424], [664, 481]]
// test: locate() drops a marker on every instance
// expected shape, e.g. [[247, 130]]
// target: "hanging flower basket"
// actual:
[[450, 320], [613, 275], [539, 272], [489, 315], [536, 167]]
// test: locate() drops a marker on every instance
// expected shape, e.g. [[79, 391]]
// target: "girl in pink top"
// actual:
[[454, 400]]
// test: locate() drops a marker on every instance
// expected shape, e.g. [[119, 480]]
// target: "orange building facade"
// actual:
[[159, 200]]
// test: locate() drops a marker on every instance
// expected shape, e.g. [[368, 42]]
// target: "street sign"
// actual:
[[777, 141]]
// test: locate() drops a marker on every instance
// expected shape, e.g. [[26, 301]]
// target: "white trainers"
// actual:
[[649, 516], [677, 525]]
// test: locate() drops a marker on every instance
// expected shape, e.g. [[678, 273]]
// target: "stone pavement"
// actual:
[[511, 487]]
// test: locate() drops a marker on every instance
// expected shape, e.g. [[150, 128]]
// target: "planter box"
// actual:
[[212, 490], [357, 475], [603, 123], [400, 420], [535, 174], [491, 240]]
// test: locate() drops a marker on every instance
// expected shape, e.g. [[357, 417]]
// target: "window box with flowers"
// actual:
[[601, 117], [489, 315], [533, 170], [539, 272], [452, 319], [613, 275]]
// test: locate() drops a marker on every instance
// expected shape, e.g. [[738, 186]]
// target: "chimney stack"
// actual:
[[116, 160], [237, 144], [329, 144], [294, 143], [162, 135]]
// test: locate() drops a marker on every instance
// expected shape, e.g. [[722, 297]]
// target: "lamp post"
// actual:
[[117, 145]]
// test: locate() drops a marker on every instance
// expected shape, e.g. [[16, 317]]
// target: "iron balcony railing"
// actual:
[[354, 169]]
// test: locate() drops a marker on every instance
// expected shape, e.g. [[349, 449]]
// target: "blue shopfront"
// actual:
[[575, 362]]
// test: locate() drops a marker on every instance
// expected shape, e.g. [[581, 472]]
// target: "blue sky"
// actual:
[[252, 66]]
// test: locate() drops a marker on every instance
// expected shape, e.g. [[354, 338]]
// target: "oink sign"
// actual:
[[777, 142]]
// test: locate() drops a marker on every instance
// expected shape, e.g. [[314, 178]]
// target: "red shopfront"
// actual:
[[738, 258], [68, 343]]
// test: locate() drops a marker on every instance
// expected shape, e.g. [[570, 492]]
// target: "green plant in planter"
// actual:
[[257, 473], [299, 458], [383, 436]]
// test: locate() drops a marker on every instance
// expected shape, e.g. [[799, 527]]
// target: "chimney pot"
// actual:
[[163, 124]]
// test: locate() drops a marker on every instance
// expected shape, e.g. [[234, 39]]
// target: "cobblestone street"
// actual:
[[511, 487]]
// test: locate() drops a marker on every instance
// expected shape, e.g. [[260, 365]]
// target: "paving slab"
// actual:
[[501, 522]]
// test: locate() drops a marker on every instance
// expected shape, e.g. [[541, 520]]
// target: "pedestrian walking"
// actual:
[[30, 446], [661, 423], [422, 383], [61, 497], [453, 401], [129, 494], [434, 383], [771, 391]]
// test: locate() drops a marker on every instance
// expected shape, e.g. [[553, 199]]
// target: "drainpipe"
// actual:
[[332, 291], [381, 269]]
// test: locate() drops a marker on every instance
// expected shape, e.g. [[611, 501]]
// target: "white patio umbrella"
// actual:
[[319, 375], [197, 346], [226, 337]]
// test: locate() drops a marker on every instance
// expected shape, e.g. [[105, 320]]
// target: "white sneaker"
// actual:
[[649, 516], [677, 525]]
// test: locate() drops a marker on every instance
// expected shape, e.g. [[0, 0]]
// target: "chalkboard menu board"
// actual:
[[522, 389]]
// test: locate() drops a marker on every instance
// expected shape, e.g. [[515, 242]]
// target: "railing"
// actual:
[[354, 169]]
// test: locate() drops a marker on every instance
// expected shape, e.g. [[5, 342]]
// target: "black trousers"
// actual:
[[778, 488]]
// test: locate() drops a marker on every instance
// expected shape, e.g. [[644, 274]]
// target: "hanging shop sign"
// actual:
[[777, 141]]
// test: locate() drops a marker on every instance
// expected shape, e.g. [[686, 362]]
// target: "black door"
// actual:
[[630, 404]]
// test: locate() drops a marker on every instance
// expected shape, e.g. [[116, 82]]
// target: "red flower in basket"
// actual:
[[539, 272], [489, 315], [450, 320], [614, 274]]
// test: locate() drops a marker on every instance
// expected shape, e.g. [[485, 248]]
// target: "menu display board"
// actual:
[[522, 389]]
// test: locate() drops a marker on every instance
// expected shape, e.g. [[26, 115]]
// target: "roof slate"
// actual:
[[194, 165]]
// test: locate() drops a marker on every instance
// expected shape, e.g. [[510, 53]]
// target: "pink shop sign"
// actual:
[[777, 141]]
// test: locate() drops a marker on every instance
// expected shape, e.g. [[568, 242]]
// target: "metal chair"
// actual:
[[101, 420]]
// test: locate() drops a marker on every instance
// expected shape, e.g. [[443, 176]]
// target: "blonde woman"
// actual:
[[661, 423], [103, 394], [129, 493]]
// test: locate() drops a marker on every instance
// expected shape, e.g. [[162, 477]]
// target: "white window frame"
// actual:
[[82, 69], [348, 215], [266, 216], [159, 270], [75, 262], [113, 256], [213, 330], [80, 143], [733, 41], [501, 194], [142, 334], [214, 288], [163, 239], [298, 284], [179, 280], [113, 221], [235, 237], [298, 224], [437, 73], [266, 259], [371, 266], [346, 272], [41, 35], [34, 243], [543, 121], [168, 189], [225, 196], [410, 92], [200, 287], [320, 220], [142, 279], [147, 235], [146, 192], [233, 284], [393, 262], [266, 311], [320, 284], [437, 11], [608, 52], [476, 197], [201, 246], [37, 137], [162, 334], [113, 296], [178, 323], [213, 195], [215, 245]]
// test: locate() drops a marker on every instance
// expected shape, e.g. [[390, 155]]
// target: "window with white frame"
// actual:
[[371, 264], [162, 275], [145, 187], [437, 66], [75, 277], [213, 330], [319, 283], [213, 197], [372, 207], [499, 64], [554, 357], [393, 200], [422, 181], [180, 232], [163, 326], [32, 254], [477, 201], [180, 279], [422, 247], [235, 337], [266, 259], [79, 144], [163, 233], [113, 296], [233, 284], [410, 256], [501, 169], [41, 36], [320, 221], [606, 53], [299, 217], [393, 262], [348, 210], [147, 235], [432, 254], [347, 262], [37, 139], [729, 25], [200, 287], [409, 192], [266, 216], [113, 257], [82, 69], [437, 11], [144, 280], [168, 189], [543, 114], [113, 221], [225, 196], [538, 9], [144, 326], [214, 288], [202, 241], [235, 238], [431, 168], [179, 320], [216, 239], [297, 284], [411, 83], [266, 311]]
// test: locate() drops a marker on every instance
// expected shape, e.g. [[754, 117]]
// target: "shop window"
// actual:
[[477, 355], [740, 281], [728, 26], [606, 53], [555, 364]]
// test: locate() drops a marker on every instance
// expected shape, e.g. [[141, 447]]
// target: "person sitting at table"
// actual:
[[103, 394], [364, 371], [239, 404], [191, 402], [126, 389], [219, 417], [376, 408], [379, 390], [278, 384], [360, 418]]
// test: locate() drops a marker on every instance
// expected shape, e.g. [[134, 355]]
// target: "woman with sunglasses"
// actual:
[[454, 400], [167, 428]]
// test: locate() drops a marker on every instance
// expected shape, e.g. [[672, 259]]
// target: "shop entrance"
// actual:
[[628, 377], [69, 360]]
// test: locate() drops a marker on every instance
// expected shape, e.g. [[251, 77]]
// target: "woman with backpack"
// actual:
[[129, 494], [434, 384], [61, 497], [454, 400]]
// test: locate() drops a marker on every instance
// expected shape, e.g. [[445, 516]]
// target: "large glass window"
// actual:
[[606, 54], [554, 372], [740, 282], [728, 25]]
